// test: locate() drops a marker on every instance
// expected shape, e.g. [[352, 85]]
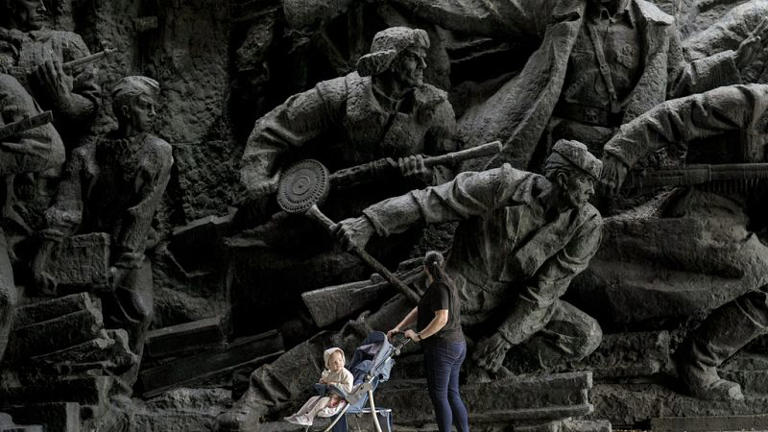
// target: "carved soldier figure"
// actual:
[[38, 55], [724, 263], [521, 239], [32, 150], [383, 110], [35, 56], [115, 186], [600, 64]]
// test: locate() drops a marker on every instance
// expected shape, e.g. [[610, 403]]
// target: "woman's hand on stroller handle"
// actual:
[[392, 334]]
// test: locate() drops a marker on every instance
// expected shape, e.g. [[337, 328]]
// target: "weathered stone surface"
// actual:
[[84, 390], [188, 369], [110, 349], [55, 417], [625, 285], [81, 261], [624, 355], [207, 178], [185, 338], [526, 398], [55, 334], [51, 308], [724, 423], [632, 405]]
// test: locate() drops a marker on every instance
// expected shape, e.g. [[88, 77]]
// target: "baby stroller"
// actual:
[[370, 366]]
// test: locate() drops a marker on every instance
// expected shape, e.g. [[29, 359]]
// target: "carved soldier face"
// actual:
[[140, 113], [409, 66], [28, 14], [577, 188]]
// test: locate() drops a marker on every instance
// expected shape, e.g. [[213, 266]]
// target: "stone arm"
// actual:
[[690, 77], [301, 118], [679, 121], [155, 173], [86, 92], [34, 150], [469, 194]]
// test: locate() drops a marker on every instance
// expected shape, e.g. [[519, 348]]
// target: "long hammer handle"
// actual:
[[330, 226]]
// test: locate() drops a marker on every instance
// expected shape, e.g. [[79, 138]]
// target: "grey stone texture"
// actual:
[[674, 290]]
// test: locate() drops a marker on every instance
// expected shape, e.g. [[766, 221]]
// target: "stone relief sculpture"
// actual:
[[727, 124], [522, 238], [521, 227], [114, 186], [36, 56], [28, 150], [600, 64], [549, 285], [383, 111]]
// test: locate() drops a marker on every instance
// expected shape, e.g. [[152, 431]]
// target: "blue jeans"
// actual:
[[442, 362]]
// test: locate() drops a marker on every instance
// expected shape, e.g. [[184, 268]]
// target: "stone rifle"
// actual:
[[368, 172], [68, 67], [15, 128], [730, 177]]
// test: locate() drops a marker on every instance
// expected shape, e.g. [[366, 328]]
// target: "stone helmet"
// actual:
[[387, 45]]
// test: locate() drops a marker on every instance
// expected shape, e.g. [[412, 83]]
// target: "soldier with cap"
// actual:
[[521, 239], [384, 109], [114, 186], [39, 54]]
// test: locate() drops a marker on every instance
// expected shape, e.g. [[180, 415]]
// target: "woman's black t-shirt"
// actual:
[[437, 297]]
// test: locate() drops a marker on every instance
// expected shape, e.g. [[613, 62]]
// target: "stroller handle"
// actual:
[[398, 342]]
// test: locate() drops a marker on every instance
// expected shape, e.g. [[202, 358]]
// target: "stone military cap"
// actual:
[[386, 46], [131, 86], [574, 153]]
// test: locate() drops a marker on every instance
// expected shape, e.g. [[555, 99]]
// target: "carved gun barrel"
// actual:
[[24, 124], [358, 174], [699, 174], [74, 64], [68, 67]]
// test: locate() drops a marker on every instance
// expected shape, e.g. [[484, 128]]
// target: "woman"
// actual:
[[443, 343]]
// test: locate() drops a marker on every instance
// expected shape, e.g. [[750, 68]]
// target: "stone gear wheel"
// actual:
[[302, 185]]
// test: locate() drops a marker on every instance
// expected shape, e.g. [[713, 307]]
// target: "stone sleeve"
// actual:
[[698, 76], [679, 121], [85, 83], [469, 194], [138, 220], [302, 117]]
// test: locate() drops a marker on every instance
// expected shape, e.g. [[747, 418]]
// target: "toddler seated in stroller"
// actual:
[[334, 377]]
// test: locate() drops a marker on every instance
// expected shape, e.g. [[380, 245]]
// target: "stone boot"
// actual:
[[725, 331]]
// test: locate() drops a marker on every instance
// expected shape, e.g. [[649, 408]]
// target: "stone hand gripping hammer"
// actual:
[[305, 185]]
